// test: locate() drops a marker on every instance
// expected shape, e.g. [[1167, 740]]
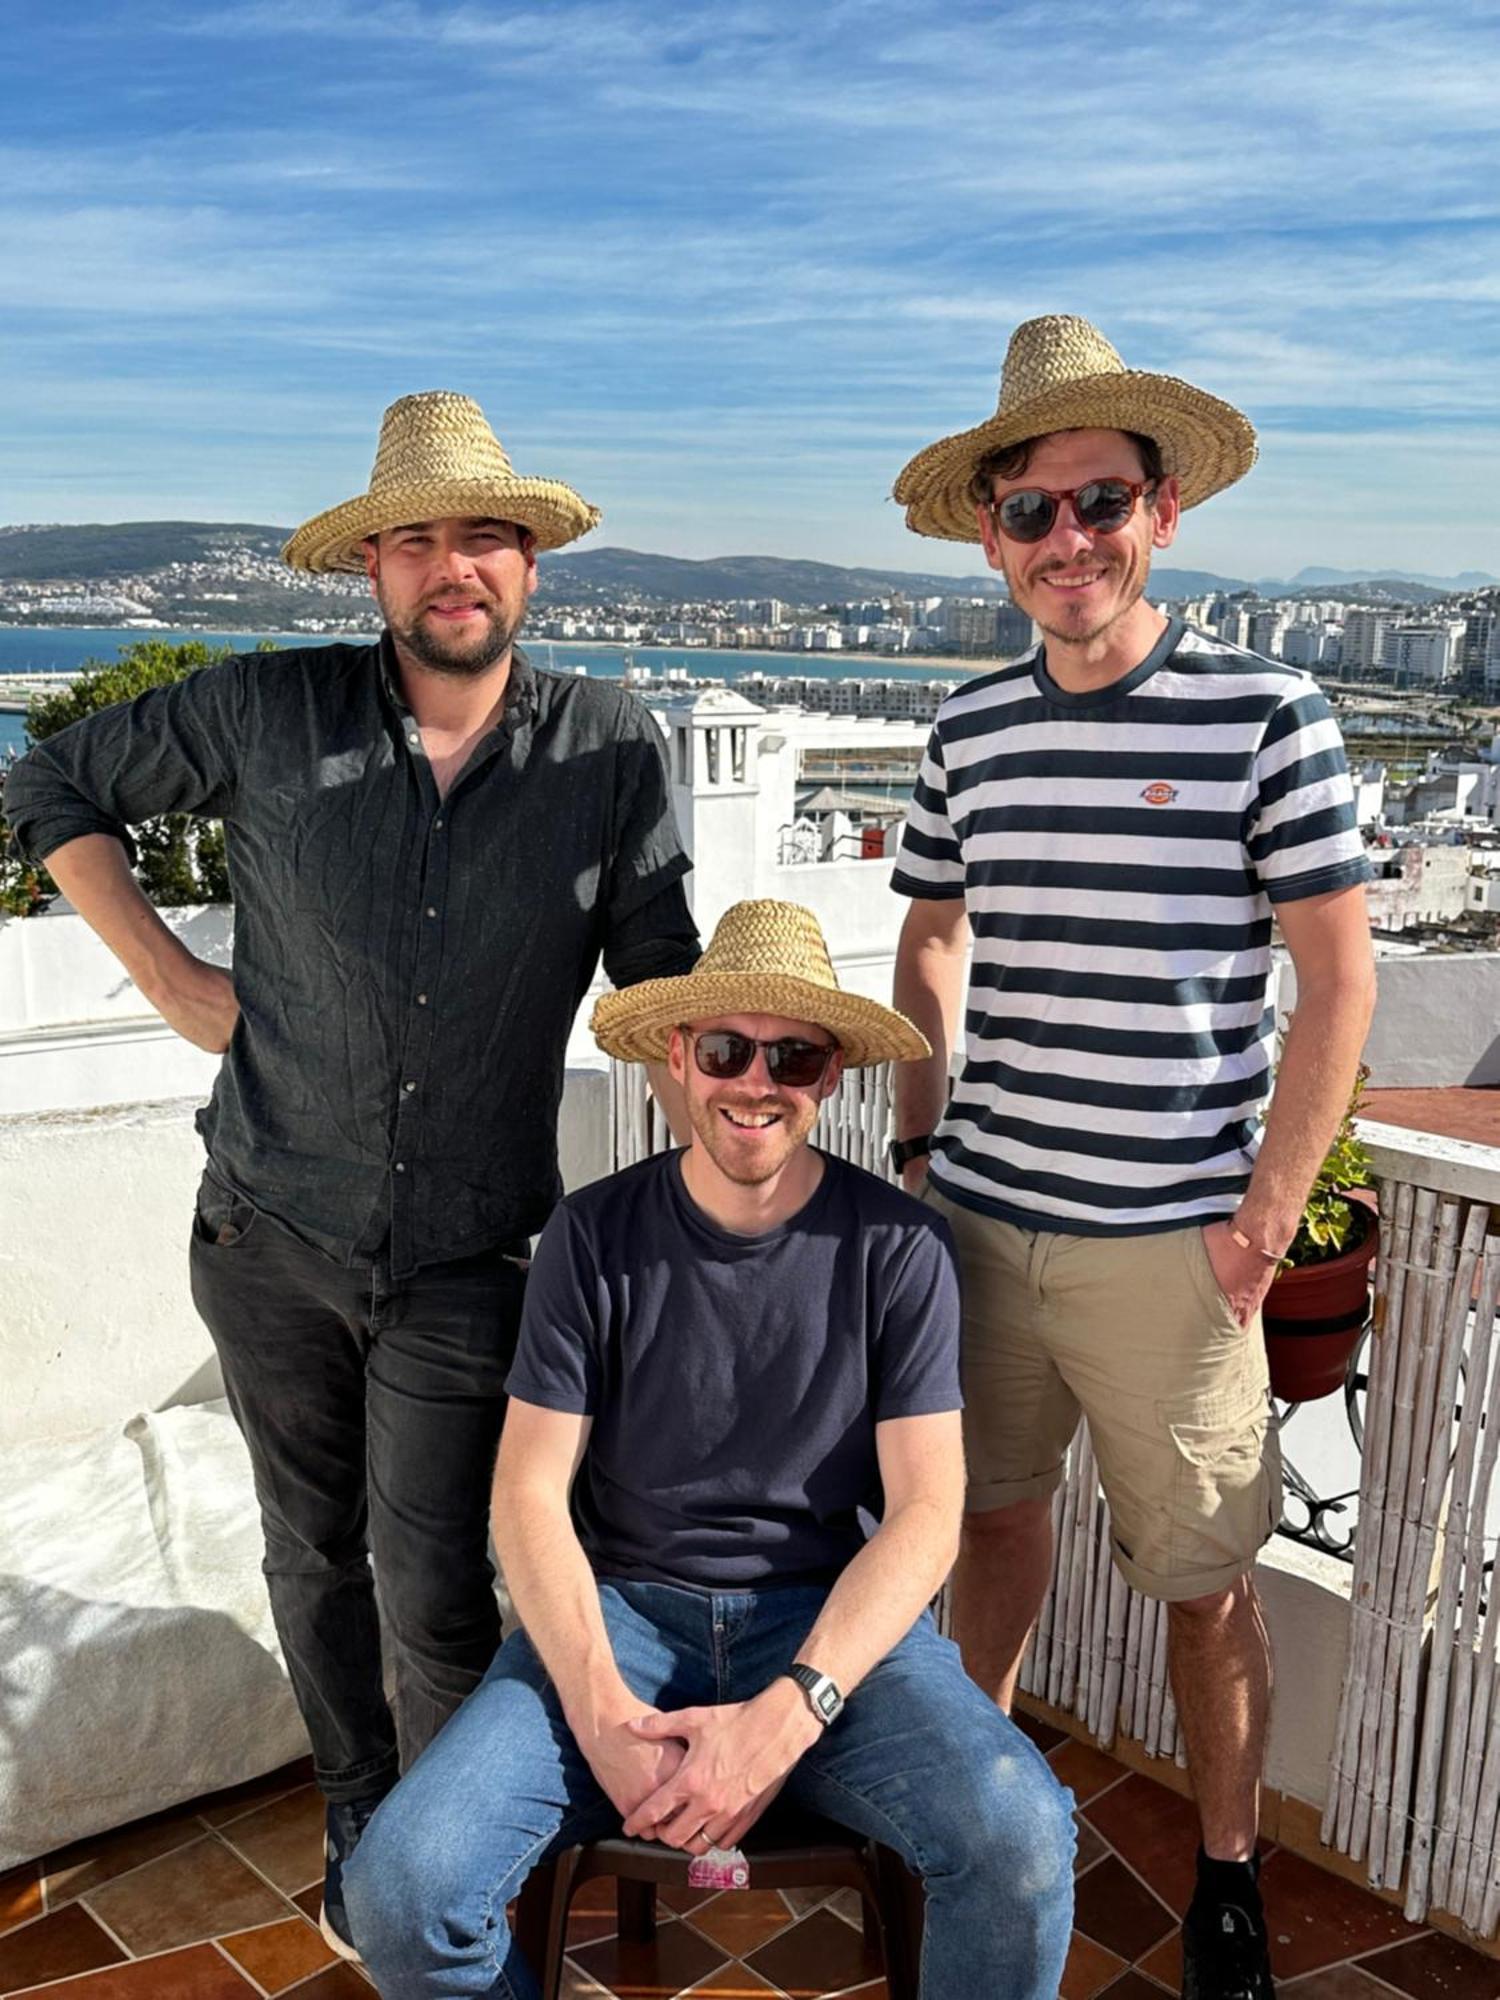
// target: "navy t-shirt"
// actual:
[[735, 1382]]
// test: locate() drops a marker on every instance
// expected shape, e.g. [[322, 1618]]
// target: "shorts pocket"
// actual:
[[1206, 1282], [1227, 1488], [1221, 1429]]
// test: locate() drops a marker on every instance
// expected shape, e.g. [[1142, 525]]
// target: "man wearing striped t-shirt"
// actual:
[[1116, 819]]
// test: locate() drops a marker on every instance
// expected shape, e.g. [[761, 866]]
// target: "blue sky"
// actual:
[[725, 266]]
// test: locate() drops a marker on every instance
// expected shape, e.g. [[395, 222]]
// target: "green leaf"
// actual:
[[181, 860]]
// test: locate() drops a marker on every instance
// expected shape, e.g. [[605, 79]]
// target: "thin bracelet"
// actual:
[[1237, 1235]]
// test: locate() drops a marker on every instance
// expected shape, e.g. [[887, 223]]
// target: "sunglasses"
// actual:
[[722, 1053], [1102, 506]]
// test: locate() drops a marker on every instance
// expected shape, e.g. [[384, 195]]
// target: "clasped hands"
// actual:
[[697, 1778]]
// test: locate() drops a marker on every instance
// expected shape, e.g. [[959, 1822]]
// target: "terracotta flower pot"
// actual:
[[1313, 1317]]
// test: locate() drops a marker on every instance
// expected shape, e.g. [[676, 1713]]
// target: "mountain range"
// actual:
[[96, 552], [1335, 579]]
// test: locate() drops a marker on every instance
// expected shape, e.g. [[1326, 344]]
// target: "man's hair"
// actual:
[[1011, 461]]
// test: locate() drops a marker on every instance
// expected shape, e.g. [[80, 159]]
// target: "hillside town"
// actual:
[[1413, 675], [1400, 635]]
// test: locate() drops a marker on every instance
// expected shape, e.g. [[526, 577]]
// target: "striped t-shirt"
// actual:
[[1119, 853]]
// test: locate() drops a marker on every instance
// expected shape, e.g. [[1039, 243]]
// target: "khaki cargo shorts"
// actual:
[[1134, 1332]]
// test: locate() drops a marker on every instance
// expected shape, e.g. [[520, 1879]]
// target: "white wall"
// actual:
[[1305, 1597], [54, 972], [76, 1036], [1437, 1020], [95, 1317], [74, 1031]]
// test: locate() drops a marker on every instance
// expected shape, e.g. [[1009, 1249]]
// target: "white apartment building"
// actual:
[[1235, 624], [1303, 645], [1424, 652], [1364, 640], [1267, 629]]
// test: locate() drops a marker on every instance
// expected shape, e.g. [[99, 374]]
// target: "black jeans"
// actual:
[[372, 1411]]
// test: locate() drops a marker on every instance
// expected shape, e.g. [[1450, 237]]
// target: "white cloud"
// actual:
[[780, 244]]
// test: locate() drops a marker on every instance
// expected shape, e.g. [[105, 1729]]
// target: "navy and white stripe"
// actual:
[[1119, 854]]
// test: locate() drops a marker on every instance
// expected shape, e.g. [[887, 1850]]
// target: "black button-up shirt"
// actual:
[[408, 967]]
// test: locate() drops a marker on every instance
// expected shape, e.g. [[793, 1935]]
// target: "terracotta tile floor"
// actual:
[[218, 1901]]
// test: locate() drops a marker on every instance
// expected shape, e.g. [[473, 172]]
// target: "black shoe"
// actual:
[[346, 1823], [1225, 1951]]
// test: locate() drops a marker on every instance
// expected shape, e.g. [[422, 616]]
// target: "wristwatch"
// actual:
[[902, 1150], [821, 1694]]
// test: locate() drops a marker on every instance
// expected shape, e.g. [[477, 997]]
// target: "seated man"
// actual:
[[740, 1361]]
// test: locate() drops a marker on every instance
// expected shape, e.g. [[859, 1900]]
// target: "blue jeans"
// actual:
[[920, 1759]]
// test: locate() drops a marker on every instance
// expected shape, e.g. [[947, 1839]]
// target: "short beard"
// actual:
[[797, 1123], [426, 647], [1073, 637]]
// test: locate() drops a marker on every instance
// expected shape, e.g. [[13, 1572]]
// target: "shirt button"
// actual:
[[438, 824], [408, 1086], [431, 911], [400, 1166], [414, 740], [421, 999]]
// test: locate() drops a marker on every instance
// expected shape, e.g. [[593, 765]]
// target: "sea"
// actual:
[[65, 648]]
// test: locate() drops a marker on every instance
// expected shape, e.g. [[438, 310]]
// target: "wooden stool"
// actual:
[[786, 1850]]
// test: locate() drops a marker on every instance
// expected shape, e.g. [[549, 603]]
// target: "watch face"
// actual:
[[829, 1701]]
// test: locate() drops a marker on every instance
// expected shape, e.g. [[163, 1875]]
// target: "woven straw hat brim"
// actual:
[[553, 512], [636, 1023], [1207, 444]]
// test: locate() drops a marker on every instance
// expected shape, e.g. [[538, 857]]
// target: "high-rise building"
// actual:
[[969, 624], [1266, 630], [1014, 631], [1234, 626], [1421, 652], [1481, 629], [761, 610], [1364, 635], [1302, 645]]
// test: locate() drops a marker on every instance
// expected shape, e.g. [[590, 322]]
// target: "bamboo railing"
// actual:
[[1414, 1775]]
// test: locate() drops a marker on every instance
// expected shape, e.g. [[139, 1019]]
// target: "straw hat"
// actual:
[[1061, 374], [438, 458], [765, 958]]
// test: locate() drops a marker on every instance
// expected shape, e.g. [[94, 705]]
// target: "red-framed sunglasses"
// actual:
[[1101, 505]]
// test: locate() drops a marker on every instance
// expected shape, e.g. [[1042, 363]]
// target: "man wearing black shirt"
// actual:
[[431, 846]]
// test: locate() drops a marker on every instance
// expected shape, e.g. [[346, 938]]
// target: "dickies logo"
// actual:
[[1159, 793]]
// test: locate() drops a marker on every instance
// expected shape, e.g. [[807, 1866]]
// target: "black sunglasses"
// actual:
[[722, 1053], [1102, 506]]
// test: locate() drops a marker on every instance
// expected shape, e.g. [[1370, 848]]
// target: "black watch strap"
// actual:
[[820, 1692], [902, 1150]]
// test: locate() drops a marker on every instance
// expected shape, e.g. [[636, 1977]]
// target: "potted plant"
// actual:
[[1319, 1299]]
